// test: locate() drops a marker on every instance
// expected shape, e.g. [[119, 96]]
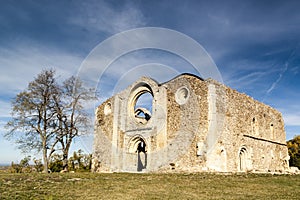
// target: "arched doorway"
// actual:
[[142, 156], [138, 146]]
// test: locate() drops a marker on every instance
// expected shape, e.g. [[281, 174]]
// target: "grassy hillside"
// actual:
[[148, 186]]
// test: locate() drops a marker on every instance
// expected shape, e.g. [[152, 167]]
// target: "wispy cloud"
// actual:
[[21, 64], [292, 118], [122, 72], [248, 74], [290, 110], [282, 72], [247, 79], [5, 109], [102, 16], [295, 70], [285, 68]]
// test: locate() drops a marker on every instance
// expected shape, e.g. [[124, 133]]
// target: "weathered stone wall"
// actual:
[[188, 120], [196, 125], [255, 127], [103, 136]]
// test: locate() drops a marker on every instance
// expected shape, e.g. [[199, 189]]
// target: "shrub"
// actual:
[[38, 165], [294, 151], [23, 166], [56, 164]]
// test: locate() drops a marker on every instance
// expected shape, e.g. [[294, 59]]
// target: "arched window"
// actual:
[[143, 107], [243, 159]]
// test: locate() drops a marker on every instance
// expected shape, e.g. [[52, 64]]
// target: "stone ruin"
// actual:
[[188, 125]]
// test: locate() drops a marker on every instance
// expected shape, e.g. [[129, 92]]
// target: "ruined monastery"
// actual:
[[191, 125]]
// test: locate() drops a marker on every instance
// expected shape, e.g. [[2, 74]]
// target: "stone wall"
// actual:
[[254, 127], [103, 136], [196, 125]]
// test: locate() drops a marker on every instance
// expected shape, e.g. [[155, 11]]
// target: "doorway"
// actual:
[[141, 155], [138, 149]]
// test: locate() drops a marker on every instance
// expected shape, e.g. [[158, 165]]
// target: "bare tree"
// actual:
[[47, 116], [33, 116], [73, 120]]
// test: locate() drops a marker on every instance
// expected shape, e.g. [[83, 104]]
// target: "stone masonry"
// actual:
[[191, 125]]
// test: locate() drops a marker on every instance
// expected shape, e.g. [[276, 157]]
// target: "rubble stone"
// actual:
[[192, 125]]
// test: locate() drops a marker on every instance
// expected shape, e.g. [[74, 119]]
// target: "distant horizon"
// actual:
[[4, 164]]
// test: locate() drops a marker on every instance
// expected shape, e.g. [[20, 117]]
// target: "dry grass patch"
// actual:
[[148, 186]]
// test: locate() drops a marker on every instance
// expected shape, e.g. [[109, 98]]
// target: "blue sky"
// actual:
[[255, 45]]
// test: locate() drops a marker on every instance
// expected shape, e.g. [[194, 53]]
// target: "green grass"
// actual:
[[148, 186]]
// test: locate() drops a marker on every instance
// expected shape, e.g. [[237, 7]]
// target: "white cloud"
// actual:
[[247, 79], [9, 152], [274, 84], [127, 69], [292, 118], [20, 65], [295, 70], [290, 111], [5, 109], [2, 124], [127, 53], [101, 16]]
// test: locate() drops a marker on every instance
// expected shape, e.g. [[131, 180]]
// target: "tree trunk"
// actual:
[[45, 158], [65, 160], [66, 154]]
